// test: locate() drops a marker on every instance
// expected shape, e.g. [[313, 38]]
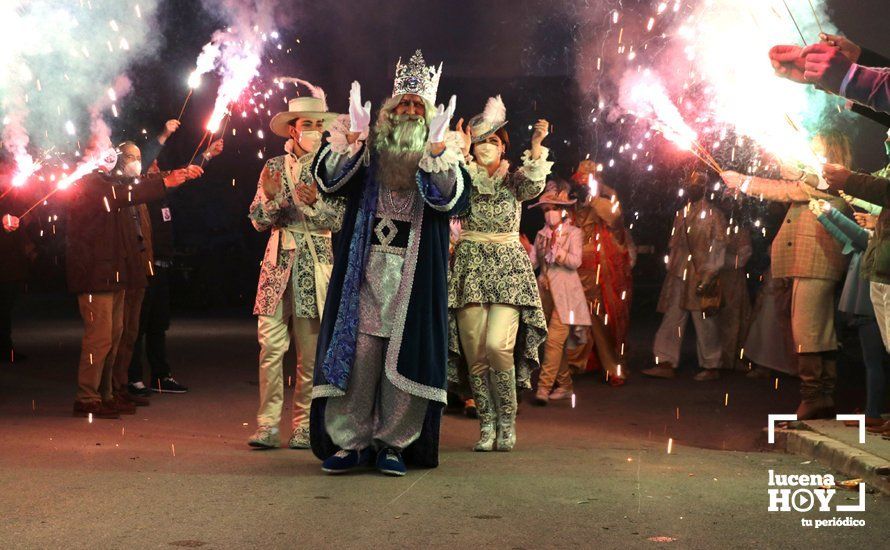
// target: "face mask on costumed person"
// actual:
[[310, 140], [133, 169], [486, 153], [553, 217]]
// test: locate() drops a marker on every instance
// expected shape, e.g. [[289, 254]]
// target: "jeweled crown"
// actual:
[[415, 77]]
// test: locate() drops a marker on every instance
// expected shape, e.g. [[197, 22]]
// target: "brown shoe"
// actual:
[[870, 422], [814, 409], [122, 405], [96, 408], [664, 370], [135, 399]]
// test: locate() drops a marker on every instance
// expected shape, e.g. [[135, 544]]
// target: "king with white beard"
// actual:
[[380, 374]]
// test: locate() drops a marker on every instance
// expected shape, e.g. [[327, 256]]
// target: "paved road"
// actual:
[[597, 475]]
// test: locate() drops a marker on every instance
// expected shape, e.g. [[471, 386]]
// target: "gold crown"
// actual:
[[416, 78]]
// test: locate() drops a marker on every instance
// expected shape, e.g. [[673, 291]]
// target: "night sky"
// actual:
[[526, 50]]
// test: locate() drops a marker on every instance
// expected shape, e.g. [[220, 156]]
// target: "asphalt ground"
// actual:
[[598, 475]]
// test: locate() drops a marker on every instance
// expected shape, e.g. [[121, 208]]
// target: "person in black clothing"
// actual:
[[16, 250], [155, 316]]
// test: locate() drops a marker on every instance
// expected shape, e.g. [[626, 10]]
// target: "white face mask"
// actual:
[[486, 153], [310, 140], [133, 169], [553, 217]]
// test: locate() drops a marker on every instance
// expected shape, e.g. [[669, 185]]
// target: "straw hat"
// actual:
[[301, 107], [560, 198]]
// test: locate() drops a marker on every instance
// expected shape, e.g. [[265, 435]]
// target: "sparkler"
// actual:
[[82, 170], [796, 26], [818, 22]]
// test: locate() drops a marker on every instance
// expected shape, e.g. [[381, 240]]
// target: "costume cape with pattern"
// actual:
[[417, 354]]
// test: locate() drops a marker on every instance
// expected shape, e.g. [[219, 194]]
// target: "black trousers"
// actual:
[[9, 293], [154, 322]]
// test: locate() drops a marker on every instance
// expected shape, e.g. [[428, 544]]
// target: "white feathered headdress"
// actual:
[[492, 119]]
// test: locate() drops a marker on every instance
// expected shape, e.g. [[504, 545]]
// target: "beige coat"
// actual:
[[803, 247], [559, 272], [697, 246]]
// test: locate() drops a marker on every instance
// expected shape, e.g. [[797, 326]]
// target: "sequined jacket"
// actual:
[[288, 259]]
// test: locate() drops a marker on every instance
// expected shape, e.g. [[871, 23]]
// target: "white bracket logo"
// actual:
[[773, 418]]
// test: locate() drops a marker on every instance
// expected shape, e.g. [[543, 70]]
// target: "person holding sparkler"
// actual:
[[16, 251], [381, 369], [558, 253], [805, 252], [837, 65], [496, 321], [295, 270], [154, 317], [691, 289], [876, 258], [103, 261], [856, 304], [606, 269]]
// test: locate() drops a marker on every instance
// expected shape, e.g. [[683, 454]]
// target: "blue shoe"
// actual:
[[343, 461], [389, 462]]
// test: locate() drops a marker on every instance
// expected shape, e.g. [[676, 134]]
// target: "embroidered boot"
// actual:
[[485, 411], [505, 397]]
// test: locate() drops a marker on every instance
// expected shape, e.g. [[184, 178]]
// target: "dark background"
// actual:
[[526, 50]]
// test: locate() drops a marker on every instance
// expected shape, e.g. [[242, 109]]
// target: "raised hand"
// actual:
[[214, 149], [848, 48], [835, 175], [465, 135], [10, 223], [181, 175], [441, 120], [733, 180], [825, 66], [541, 130], [359, 115], [788, 62]]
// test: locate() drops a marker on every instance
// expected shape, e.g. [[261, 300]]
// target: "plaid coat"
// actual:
[[802, 247]]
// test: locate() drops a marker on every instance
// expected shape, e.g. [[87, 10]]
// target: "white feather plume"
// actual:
[[495, 111], [314, 91]]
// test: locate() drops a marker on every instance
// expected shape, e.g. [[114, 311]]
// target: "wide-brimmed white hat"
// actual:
[[560, 198], [301, 107]]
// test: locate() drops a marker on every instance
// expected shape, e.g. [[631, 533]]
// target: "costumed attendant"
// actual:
[[496, 317], [380, 376], [696, 255], [296, 267], [805, 252], [558, 253], [735, 313], [606, 272]]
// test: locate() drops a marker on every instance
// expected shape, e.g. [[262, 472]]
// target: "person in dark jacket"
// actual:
[[153, 319], [103, 260], [16, 250]]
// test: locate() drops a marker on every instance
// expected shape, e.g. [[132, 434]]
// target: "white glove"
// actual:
[[439, 124], [359, 115]]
